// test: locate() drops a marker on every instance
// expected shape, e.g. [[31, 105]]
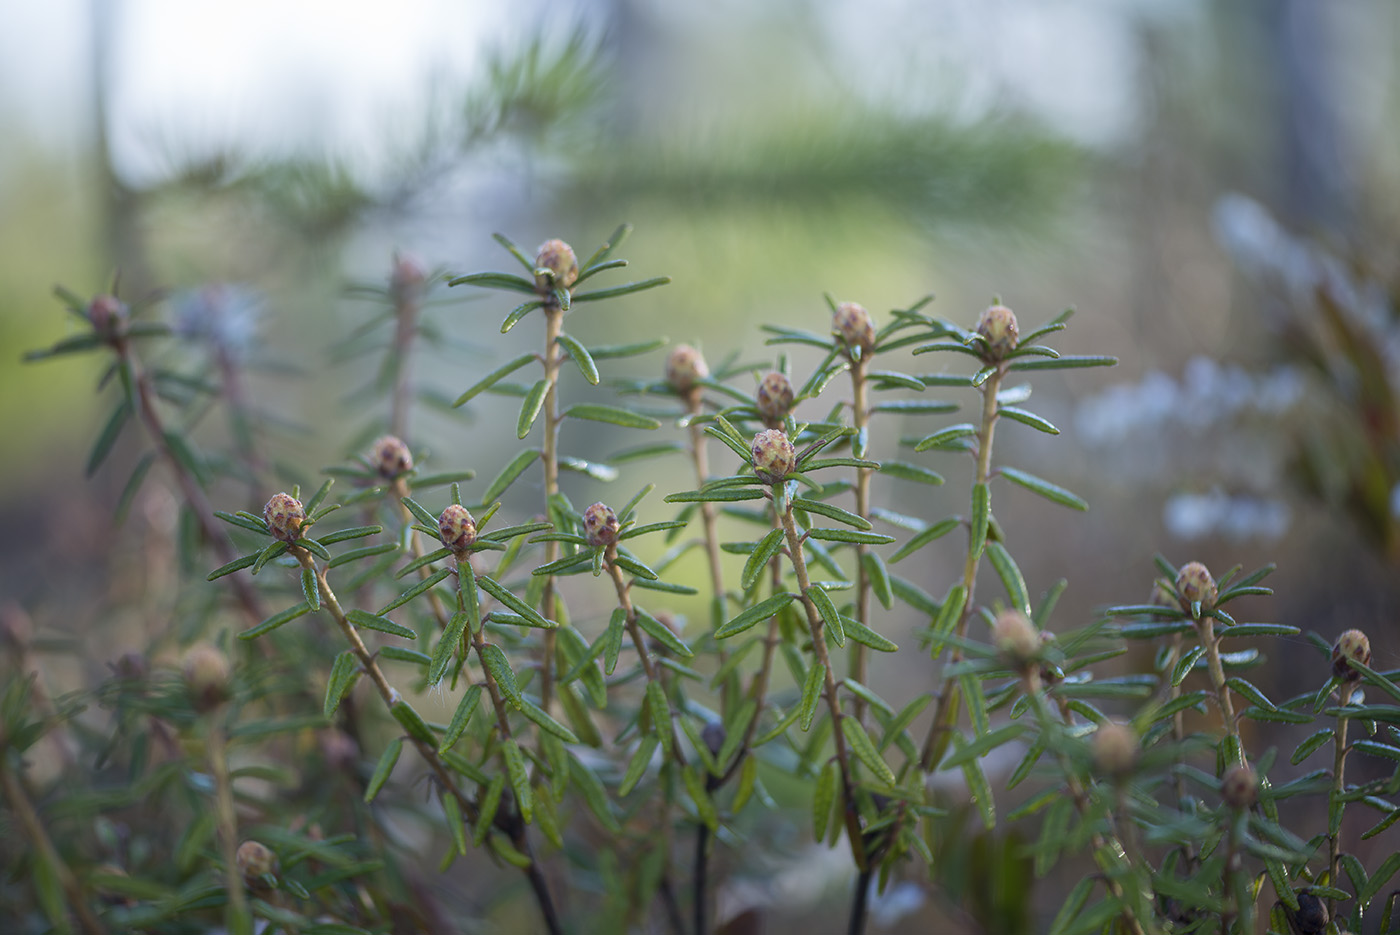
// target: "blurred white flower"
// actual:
[[222, 315], [1200, 516]]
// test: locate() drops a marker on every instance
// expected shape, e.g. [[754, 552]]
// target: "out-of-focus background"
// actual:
[[1213, 184]]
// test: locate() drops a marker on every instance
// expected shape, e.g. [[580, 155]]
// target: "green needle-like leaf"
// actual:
[[759, 558], [530, 408], [611, 415], [751, 616], [1044, 488], [580, 356], [492, 378]]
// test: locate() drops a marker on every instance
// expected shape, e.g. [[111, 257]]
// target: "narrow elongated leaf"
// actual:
[[519, 776], [461, 717], [309, 589], [612, 640], [495, 662], [343, 535], [859, 742], [1044, 488], [1062, 363], [502, 594], [663, 634], [344, 673], [494, 377], [542, 718], [879, 577], [637, 766], [822, 601], [611, 415], [660, 711], [505, 281], [275, 621], [716, 495], [823, 798], [945, 437], [530, 408], [451, 639], [625, 289], [1028, 418], [831, 512], [911, 472], [519, 312], [982, 745], [509, 473], [580, 356], [862, 634], [419, 588], [383, 768], [849, 535], [811, 694], [767, 547], [751, 616], [108, 437], [236, 565], [981, 517], [936, 531], [1010, 576]]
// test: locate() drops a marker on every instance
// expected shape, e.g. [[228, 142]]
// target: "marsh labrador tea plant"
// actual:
[[272, 757]]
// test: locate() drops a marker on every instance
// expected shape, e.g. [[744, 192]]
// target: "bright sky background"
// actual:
[[333, 73]]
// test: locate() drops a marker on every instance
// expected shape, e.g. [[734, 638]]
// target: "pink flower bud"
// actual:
[[558, 259], [852, 325], [998, 326], [284, 515], [390, 456], [457, 528], [774, 399], [774, 458], [600, 525], [685, 367], [1351, 646], [1194, 583]]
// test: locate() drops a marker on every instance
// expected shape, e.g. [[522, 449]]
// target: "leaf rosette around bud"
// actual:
[[284, 516], [457, 528], [852, 325], [208, 677], [256, 862], [1239, 787], [1195, 584], [1115, 750], [774, 399], [600, 525], [390, 457], [407, 278], [685, 368], [108, 315], [1016, 639], [1351, 646], [774, 458], [556, 266], [998, 328]]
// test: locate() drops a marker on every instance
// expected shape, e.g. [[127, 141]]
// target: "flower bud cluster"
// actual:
[[852, 325], [284, 515], [1194, 583], [600, 525], [774, 399], [998, 328], [556, 267], [1115, 750], [685, 368], [457, 528], [390, 457], [108, 315], [774, 458], [256, 862], [208, 677], [1351, 646]]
